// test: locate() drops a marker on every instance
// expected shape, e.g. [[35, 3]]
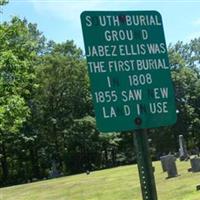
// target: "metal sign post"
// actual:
[[145, 168]]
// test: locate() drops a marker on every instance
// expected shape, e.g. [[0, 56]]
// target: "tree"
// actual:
[[189, 52], [18, 49], [63, 95], [186, 82], [3, 2]]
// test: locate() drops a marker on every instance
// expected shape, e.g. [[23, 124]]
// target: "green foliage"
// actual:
[[18, 51], [13, 113], [188, 52], [64, 82], [82, 145], [3, 2], [187, 84]]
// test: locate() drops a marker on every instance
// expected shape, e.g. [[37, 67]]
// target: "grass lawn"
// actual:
[[121, 183]]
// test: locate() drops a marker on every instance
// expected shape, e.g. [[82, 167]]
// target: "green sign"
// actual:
[[129, 69]]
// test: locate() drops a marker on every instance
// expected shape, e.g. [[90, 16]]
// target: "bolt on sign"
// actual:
[[129, 69]]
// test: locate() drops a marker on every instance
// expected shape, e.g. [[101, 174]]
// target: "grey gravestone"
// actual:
[[195, 164], [153, 169], [195, 151], [170, 162], [163, 163], [54, 172], [190, 169], [183, 154], [198, 187]]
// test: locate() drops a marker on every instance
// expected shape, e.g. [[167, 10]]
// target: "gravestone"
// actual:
[[170, 164], [183, 154], [198, 187], [54, 172], [195, 151], [195, 164], [163, 163]]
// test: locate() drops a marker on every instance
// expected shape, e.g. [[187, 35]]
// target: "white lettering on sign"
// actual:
[[141, 79], [152, 108], [158, 107], [112, 112], [132, 50], [129, 20], [106, 96], [109, 113], [131, 95], [160, 93], [128, 61], [109, 21], [97, 67], [121, 35], [100, 51], [151, 64], [121, 65], [125, 50], [142, 20], [88, 21], [156, 48], [127, 110]]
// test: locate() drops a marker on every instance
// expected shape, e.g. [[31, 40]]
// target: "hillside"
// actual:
[[121, 183]]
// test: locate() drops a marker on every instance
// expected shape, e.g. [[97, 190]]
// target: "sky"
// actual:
[[59, 20]]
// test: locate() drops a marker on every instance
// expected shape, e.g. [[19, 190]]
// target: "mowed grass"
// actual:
[[121, 183]]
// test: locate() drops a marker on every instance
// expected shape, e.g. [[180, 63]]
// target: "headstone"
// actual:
[[195, 151], [163, 163], [190, 169], [183, 154], [198, 187], [34, 179], [195, 164], [87, 172], [54, 172], [153, 168], [170, 163]]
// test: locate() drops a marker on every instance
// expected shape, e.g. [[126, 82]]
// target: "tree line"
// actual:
[[46, 111]]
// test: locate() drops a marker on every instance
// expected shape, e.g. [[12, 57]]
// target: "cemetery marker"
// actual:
[[130, 78]]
